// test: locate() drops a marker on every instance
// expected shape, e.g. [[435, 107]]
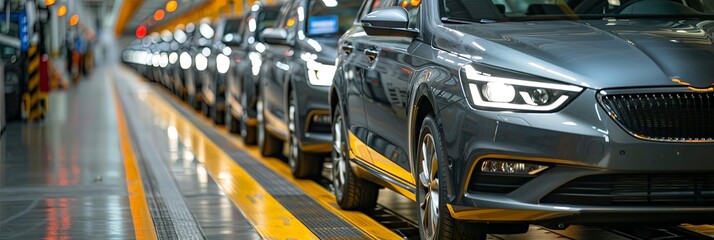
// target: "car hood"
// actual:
[[324, 48], [593, 53]]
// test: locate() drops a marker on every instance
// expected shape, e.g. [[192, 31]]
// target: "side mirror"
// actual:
[[390, 21], [232, 39], [276, 36]]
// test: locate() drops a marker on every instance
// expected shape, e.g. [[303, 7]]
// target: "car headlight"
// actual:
[[163, 60], [319, 74], [500, 89], [155, 59], [222, 63], [173, 57], [256, 61], [185, 60], [201, 62]]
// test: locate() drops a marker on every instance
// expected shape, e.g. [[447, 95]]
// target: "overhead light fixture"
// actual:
[[62, 10], [49, 2], [171, 6], [74, 20], [141, 31], [159, 14]]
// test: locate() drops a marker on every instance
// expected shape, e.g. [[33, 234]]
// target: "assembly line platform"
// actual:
[[118, 157]]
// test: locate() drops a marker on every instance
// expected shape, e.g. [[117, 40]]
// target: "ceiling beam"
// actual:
[[127, 11]]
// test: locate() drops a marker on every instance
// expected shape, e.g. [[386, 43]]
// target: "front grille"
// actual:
[[497, 183], [636, 190], [664, 116], [315, 127]]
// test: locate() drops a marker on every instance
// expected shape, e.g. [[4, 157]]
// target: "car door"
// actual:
[[386, 85], [355, 62], [277, 66]]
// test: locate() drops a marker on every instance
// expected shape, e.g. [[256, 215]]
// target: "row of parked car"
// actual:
[[489, 114]]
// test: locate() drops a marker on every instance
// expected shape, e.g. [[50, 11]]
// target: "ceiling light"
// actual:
[[62, 10], [171, 6], [74, 20], [158, 15]]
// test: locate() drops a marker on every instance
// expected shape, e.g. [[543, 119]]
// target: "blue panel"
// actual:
[[323, 25], [24, 38]]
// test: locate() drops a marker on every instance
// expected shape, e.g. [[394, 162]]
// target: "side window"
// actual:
[[289, 19], [289, 16], [282, 20]]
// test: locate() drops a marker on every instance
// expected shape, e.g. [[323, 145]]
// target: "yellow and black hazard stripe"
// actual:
[[34, 98]]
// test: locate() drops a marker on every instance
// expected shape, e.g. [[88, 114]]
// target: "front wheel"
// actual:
[[267, 143], [247, 132], [218, 116], [302, 164], [231, 121], [351, 192], [435, 220]]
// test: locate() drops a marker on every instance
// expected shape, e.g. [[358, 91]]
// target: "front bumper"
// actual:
[[315, 133], [579, 141]]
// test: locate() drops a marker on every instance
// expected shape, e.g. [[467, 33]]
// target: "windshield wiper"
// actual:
[[459, 21]]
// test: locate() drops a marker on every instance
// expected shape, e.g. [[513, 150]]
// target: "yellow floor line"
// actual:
[[143, 222], [703, 229], [323, 196], [269, 218]]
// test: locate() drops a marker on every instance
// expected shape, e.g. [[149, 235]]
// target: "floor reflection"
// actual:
[[64, 178]]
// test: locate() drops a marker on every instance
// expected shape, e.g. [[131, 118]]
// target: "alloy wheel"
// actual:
[[261, 121], [292, 160], [429, 183], [339, 167]]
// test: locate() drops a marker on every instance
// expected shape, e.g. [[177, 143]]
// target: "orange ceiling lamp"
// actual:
[[159, 14], [49, 2], [62, 10], [171, 6], [74, 20]]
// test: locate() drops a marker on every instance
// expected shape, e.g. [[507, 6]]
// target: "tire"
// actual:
[[302, 165], [435, 222], [232, 123], [216, 115], [268, 144], [195, 104], [351, 192], [193, 99], [248, 133], [205, 109]]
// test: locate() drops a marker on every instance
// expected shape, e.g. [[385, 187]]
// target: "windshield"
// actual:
[[267, 18], [505, 10], [331, 17], [233, 26]]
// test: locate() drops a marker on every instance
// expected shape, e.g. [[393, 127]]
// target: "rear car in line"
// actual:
[[247, 55], [296, 74]]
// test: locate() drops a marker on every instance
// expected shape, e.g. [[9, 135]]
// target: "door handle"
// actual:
[[348, 48], [371, 53]]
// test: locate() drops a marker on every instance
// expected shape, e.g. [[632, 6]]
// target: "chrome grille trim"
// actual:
[[662, 114]]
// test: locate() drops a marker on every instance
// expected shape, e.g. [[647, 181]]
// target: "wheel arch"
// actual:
[[424, 104]]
